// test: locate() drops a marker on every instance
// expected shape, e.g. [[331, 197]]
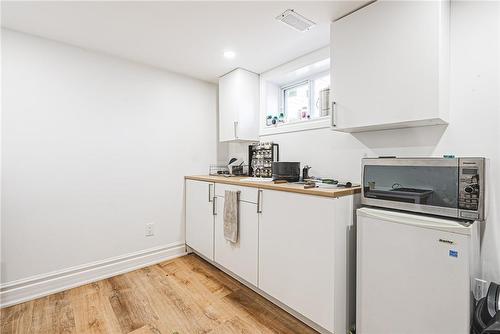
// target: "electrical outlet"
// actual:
[[481, 288], [150, 230]]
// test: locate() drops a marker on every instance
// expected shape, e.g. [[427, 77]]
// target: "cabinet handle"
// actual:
[[259, 201], [210, 192], [235, 124], [334, 113], [214, 206]]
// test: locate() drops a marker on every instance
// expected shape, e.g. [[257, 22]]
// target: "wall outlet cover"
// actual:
[[150, 230]]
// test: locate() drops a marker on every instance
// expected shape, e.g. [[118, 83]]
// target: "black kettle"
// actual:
[[305, 172]]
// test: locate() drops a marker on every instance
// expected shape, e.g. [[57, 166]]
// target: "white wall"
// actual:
[[474, 128], [94, 147]]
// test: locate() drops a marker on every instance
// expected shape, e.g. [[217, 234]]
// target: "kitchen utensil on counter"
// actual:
[[218, 170], [305, 172], [289, 171], [329, 181], [235, 167], [310, 184], [319, 184]]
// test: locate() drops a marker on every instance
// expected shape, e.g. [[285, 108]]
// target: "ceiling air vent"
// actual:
[[295, 20]]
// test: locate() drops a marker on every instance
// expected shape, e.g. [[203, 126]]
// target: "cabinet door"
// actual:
[[239, 257], [228, 92], [239, 106], [248, 107], [199, 217], [296, 253], [390, 66]]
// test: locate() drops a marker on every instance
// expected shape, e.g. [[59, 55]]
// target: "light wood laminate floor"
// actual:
[[185, 295]]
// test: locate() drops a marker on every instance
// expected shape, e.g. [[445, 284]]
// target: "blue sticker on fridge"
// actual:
[[453, 253]]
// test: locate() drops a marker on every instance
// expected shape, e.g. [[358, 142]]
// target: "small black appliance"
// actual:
[[288, 171]]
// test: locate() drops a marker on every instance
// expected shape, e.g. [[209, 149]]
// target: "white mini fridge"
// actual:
[[414, 273]]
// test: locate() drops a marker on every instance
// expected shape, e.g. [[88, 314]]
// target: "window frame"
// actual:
[[317, 62], [283, 103], [310, 80]]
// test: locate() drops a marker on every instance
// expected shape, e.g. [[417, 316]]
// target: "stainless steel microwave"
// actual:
[[451, 187]]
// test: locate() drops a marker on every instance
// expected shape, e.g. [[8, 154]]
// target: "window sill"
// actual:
[[318, 123]]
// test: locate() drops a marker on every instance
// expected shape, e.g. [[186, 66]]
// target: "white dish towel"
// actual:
[[231, 215]]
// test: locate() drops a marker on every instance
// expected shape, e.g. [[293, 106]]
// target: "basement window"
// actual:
[[295, 96], [302, 101], [296, 103]]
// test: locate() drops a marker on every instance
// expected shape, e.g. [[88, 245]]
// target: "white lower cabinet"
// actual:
[[240, 257], [296, 252], [296, 248], [199, 217]]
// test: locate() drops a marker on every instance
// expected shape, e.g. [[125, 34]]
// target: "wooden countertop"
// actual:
[[290, 187]]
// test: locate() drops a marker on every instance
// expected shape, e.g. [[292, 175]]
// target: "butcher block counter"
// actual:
[[288, 187]]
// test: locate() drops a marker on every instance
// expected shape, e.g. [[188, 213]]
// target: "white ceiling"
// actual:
[[184, 37]]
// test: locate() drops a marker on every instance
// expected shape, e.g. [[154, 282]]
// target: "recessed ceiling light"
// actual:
[[229, 54]]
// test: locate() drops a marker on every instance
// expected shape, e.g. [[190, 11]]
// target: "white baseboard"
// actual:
[[16, 292]]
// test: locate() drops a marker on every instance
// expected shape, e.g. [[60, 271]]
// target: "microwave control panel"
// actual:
[[470, 189]]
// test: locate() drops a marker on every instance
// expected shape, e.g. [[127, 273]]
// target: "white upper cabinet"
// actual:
[[239, 106], [390, 66]]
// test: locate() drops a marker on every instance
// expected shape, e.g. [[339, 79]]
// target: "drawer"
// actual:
[[247, 194]]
